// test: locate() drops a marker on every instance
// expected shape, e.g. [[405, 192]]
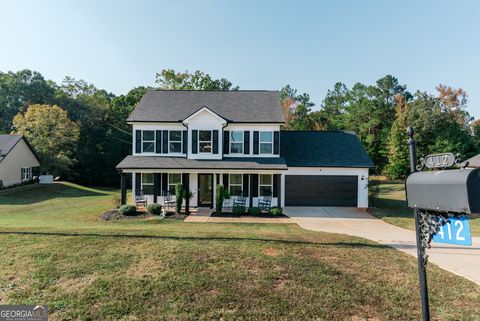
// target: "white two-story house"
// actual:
[[204, 138]]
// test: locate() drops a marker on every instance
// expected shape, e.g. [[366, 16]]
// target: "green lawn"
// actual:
[[56, 251], [390, 206]]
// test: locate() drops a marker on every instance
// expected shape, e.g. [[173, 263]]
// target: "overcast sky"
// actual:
[[117, 45]]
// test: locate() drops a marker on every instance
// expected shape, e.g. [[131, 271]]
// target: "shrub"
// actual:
[[254, 211], [179, 196], [219, 198], [276, 210], [1, 183], [238, 210], [154, 209], [127, 210]]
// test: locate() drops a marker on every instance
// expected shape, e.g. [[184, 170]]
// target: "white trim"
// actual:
[[230, 182], [27, 171], [175, 141], [260, 184], [230, 133], [260, 142], [205, 141], [148, 141], [204, 108]]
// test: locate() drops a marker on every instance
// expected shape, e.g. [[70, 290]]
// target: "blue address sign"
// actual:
[[455, 231]]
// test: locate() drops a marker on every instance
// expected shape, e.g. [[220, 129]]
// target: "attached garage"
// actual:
[[327, 168], [321, 190]]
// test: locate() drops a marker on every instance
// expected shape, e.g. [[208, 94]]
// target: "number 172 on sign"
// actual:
[[455, 231]]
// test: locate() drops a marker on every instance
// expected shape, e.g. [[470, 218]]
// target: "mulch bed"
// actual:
[[115, 215], [263, 215]]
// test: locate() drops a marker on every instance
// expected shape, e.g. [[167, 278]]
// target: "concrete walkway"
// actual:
[[464, 261]]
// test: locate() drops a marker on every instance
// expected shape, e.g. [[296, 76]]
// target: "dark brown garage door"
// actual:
[[320, 190]]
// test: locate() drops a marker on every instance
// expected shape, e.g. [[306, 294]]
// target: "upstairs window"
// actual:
[[266, 142], [175, 141], [236, 142], [235, 184], [265, 185], [148, 141], [173, 180], [25, 173], [205, 141]]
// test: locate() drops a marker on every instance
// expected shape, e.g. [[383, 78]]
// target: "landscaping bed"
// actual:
[[246, 214]]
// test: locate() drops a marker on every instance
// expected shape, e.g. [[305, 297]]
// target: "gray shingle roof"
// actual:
[[235, 106], [323, 149], [162, 162], [7, 142]]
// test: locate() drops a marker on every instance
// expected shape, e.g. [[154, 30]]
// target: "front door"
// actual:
[[205, 190]]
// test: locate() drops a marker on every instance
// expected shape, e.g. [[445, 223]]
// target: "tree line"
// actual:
[[81, 134]]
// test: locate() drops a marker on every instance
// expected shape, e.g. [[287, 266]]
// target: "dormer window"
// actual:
[[175, 141], [266, 142], [205, 141], [236, 142], [148, 141]]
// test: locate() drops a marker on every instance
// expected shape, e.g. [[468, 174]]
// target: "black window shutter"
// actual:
[[255, 185], [215, 141], [226, 142], [276, 142], [138, 141], [276, 180], [194, 141], [246, 142], [165, 142], [185, 141], [255, 142], [158, 142], [245, 185], [164, 184], [138, 183], [225, 180], [156, 186]]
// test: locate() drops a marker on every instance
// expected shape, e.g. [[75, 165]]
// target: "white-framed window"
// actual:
[[235, 183], [26, 173], [236, 142], [147, 183], [148, 141], [173, 180], [205, 141], [175, 141], [265, 186], [266, 142]]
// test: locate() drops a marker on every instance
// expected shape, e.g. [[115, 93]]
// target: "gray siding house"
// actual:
[[17, 160]]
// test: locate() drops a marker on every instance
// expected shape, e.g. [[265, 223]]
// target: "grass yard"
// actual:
[[56, 251], [390, 206]]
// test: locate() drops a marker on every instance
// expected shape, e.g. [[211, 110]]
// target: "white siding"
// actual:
[[10, 167]]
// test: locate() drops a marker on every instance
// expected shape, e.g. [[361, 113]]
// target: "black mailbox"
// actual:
[[456, 190]]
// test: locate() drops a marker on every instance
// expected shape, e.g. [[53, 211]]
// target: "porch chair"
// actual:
[[168, 201], [140, 199], [265, 203], [240, 201]]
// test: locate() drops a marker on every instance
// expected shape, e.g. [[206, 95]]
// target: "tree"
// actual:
[[296, 108], [52, 134], [169, 79], [398, 165], [18, 90]]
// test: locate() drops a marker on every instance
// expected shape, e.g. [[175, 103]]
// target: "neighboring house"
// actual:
[[17, 160], [204, 138]]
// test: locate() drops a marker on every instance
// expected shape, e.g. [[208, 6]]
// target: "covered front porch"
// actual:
[[251, 179]]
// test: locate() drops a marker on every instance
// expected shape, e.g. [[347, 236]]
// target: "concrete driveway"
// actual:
[[464, 261]]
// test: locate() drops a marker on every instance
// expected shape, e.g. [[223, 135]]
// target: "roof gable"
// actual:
[[242, 106], [323, 149], [207, 110], [8, 143]]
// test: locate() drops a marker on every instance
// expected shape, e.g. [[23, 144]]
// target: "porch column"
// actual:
[[156, 186], [279, 191], [186, 187], [123, 189]]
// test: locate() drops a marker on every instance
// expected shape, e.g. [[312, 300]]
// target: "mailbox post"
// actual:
[[419, 220], [441, 197]]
